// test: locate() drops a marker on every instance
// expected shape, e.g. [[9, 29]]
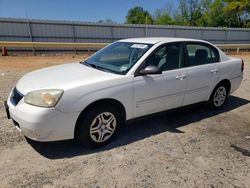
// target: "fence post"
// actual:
[[228, 39], [202, 34], [31, 37], [74, 36], [225, 29], [112, 33], [249, 36], [145, 31], [30, 31], [175, 32]]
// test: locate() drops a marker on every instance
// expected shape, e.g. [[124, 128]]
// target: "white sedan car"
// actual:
[[130, 78]]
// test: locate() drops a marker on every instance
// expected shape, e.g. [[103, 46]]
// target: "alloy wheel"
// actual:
[[220, 96], [102, 127]]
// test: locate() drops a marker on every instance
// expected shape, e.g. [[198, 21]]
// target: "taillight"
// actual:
[[242, 65]]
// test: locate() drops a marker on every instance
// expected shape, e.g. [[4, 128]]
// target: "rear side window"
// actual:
[[201, 54]]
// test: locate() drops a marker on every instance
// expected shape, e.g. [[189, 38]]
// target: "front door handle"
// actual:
[[214, 70], [180, 76]]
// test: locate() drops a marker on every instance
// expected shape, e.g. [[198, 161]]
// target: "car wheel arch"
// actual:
[[227, 83], [106, 101], [223, 81]]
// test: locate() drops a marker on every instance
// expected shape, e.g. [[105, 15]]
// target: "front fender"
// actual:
[[77, 99]]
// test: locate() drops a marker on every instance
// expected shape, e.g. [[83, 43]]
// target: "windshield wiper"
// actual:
[[94, 66], [85, 63]]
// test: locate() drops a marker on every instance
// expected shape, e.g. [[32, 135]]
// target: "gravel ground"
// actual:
[[191, 147]]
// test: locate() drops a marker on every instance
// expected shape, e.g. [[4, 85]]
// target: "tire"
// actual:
[[219, 96], [98, 126]]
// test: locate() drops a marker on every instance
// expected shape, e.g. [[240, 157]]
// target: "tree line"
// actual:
[[206, 13]]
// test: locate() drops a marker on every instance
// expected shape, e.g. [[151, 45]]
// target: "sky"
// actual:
[[77, 10]]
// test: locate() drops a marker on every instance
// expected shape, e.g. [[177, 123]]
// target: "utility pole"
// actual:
[[228, 33]]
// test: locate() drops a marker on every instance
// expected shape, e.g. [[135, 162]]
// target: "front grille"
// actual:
[[16, 96]]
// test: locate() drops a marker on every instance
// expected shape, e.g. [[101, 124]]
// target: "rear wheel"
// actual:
[[98, 126], [219, 96]]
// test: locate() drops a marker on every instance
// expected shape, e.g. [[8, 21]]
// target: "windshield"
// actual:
[[118, 57]]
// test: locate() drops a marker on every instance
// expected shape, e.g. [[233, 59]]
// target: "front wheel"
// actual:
[[218, 96], [98, 126]]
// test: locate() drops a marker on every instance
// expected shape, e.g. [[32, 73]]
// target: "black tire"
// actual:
[[90, 120], [214, 95]]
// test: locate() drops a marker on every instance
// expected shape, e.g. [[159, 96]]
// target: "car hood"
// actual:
[[62, 77]]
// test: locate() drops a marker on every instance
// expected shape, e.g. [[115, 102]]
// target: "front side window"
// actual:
[[200, 54], [167, 57], [118, 57]]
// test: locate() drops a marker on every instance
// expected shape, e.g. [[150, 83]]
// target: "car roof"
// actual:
[[154, 40]]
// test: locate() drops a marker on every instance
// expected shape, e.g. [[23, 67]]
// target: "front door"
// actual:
[[154, 93]]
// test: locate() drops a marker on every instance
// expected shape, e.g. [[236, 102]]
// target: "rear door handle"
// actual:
[[214, 70], [180, 76]]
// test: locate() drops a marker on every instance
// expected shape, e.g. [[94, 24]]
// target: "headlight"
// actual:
[[44, 98]]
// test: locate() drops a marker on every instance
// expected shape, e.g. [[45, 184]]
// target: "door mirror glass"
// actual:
[[150, 69]]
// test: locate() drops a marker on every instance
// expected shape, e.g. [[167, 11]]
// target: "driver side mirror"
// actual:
[[150, 69]]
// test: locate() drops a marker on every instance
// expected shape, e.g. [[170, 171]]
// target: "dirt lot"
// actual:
[[187, 148]]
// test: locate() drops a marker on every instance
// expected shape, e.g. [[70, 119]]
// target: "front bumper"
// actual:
[[42, 124]]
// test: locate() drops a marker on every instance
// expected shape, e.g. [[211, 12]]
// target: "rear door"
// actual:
[[202, 62]]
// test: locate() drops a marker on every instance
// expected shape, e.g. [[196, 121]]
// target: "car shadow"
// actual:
[[138, 130]]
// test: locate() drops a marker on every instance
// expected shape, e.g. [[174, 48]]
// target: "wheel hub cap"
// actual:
[[103, 127], [220, 96]]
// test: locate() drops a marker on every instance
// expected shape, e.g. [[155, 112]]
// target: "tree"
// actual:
[[216, 16], [189, 12], [181, 17], [194, 11], [226, 13], [163, 17], [209, 13], [138, 15], [205, 8], [238, 12]]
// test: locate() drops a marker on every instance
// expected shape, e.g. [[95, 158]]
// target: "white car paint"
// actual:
[[139, 95], [150, 97]]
